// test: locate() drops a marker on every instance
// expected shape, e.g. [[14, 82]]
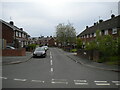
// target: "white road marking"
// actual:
[[116, 82], [59, 81], [102, 83], [38, 81], [51, 69], [20, 79], [51, 62], [50, 56], [3, 77], [80, 82]]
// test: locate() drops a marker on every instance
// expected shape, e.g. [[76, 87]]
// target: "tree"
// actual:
[[66, 34], [79, 43]]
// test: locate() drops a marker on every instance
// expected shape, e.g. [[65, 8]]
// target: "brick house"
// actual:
[[13, 35], [111, 27], [108, 27], [49, 41]]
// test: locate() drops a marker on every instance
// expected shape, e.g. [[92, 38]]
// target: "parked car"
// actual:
[[39, 52], [45, 47], [9, 47]]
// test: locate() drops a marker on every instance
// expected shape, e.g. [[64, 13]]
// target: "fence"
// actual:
[[91, 55]]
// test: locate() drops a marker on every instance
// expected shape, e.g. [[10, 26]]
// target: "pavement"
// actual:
[[92, 64], [6, 60]]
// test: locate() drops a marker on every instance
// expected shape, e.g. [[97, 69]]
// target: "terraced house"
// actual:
[[110, 26], [13, 36]]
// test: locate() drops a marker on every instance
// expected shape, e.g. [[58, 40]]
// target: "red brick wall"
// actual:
[[7, 33], [51, 42], [15, 52]]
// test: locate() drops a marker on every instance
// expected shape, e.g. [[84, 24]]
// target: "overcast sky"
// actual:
[[41, 18]]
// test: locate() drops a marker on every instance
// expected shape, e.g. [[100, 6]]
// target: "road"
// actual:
[[56, 71]]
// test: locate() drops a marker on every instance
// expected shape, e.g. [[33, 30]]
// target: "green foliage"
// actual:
[[73, 50], [32, 46], [106, 45], [91, 45], [79, 43]]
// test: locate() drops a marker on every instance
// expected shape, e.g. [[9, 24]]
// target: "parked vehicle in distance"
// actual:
[[45, 47], [39, 52], [9, 47]]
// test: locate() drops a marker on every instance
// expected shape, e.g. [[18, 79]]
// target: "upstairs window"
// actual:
[[106, 32], [114, 31], [16, 34], [94, 34]]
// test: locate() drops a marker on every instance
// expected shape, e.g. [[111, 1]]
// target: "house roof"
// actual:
[[105, 25], [12, 26]]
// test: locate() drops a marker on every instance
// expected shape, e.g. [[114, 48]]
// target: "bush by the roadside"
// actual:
[[112, 60], [73, 50]]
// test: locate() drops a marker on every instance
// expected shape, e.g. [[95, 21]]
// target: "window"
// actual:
[[17, 34], [100, 33], [94, 34], [106, 32], [90, 35], [87, 36], [114, 31]]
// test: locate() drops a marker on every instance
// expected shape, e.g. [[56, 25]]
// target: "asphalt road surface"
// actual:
[[56, 71]]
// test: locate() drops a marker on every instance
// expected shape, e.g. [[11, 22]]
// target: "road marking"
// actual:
[[59, 81], [50, 56], [23, 80], [116, 82], [101, 81], [51, 62], [51, 69], [3, 77], [38, 81], [105, 83], [80, 82]]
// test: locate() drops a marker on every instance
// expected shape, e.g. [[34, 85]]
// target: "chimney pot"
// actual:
[[112, 16], [11, 23], [21, 29], [100, 20], [86, 27]]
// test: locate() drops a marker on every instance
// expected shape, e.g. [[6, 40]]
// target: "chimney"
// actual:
[[11, 23], [112, 16], [86, 27], [94, 24], [21, 29], [100, 20]]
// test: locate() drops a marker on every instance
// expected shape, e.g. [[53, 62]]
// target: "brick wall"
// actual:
[[15, 52], [91, 55], [7, 33]]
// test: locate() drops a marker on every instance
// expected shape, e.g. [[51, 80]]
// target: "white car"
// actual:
[[45, 47], [9, 47], [39, 52]]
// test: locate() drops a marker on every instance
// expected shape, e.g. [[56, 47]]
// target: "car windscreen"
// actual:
[[39, 49]]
